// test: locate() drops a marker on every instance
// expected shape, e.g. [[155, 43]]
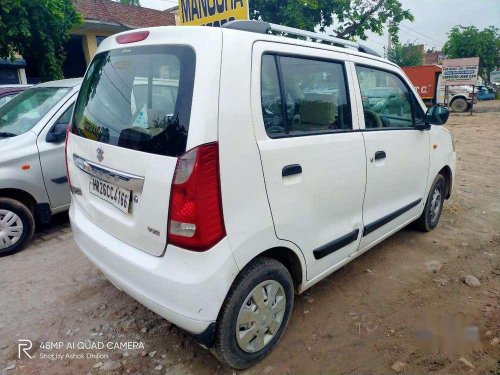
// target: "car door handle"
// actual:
[[379, 155], [291, 170]]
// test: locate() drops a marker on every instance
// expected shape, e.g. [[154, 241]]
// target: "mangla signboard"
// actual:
[[212, 12], [458, 72]]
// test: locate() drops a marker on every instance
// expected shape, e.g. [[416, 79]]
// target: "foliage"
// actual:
[[468, 41], [406, 54], [130, 2], [349, 18], [37, 29]]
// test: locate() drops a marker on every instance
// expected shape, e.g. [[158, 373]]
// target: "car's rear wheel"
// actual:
[[17, 226], [255, 313], [434, 205]]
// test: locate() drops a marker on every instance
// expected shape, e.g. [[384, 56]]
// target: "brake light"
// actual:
[[195, 220], [132, 37], [68, 131]]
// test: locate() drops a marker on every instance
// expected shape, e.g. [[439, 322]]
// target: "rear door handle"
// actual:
[[291, 170], [379, 155]]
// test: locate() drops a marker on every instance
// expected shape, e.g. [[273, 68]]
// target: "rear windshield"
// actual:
[[138, 98]]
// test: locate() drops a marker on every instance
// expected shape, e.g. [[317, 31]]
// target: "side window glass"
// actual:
[[314, 93], [66, 116], [5, 100], [271, 98], [387, 103], [316, 96], [418, 112]]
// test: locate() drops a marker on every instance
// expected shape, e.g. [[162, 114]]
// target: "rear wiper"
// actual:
[[7, 135]]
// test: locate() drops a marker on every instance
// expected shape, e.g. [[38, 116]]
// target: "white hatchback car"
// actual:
[[254, 176]]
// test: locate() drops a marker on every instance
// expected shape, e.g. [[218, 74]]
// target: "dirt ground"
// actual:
[[403, 301]]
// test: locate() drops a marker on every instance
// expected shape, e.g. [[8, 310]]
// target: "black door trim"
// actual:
[[386, 219], [338, 244]]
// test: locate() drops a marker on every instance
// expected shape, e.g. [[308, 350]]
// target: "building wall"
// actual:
[[89, 42]]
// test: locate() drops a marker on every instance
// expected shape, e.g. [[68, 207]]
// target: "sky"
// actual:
[[433, 19]]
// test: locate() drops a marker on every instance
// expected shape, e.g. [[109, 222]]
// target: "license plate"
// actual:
[[118, 197]]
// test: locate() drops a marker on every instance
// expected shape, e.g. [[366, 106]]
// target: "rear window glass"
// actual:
[[138, 98]]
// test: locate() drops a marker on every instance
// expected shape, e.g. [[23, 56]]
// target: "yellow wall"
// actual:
[[89, 42]]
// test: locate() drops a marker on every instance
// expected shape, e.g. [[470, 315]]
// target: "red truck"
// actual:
[[427, 81]]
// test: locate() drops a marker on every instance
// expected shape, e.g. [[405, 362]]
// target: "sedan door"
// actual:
[[50, 144], [314, 163]]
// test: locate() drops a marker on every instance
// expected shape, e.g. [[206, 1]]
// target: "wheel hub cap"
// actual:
[[261, 316], [435, 206], [11, 229]]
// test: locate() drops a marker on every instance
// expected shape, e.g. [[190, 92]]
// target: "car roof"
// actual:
[[69, 83], [14, 86], [192, 31], [12, 90]]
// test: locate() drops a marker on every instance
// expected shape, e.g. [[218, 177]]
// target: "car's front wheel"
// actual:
[[255, 313], [17, 226], [434, 205]]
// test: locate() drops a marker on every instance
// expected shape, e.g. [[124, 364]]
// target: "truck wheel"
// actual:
[[255, 313], [459, 105], [17, 226]]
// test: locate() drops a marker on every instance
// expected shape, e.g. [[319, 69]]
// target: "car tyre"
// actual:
[[434, 205], [255, 313], [459, 105], [17, 226]]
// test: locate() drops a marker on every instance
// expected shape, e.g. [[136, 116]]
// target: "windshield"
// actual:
[[138, 98], [23, 112]]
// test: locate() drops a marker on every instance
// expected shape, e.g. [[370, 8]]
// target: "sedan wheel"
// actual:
[[17, 226], [11, 229]]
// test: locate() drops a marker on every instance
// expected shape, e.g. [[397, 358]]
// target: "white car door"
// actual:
[[312, 156], [51, 150], [397, 153]]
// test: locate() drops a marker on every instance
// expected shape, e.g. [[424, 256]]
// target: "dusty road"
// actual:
[[362, 320]]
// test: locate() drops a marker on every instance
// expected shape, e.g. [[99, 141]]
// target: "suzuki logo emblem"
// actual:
[[100, 154]]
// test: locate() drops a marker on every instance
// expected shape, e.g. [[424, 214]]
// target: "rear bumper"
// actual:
[[184, 287]]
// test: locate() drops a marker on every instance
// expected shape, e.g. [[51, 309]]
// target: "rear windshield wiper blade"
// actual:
[[7, 135]]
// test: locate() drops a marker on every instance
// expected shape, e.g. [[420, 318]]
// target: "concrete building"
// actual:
[[102, 18], [13, 72]]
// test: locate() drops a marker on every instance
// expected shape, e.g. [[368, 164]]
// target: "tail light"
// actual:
[[195, 214], [68, 131]]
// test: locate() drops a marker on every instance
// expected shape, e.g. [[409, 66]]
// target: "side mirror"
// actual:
[[437, 115], [58, 133]]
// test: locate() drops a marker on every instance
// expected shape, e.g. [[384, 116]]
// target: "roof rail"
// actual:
[[265, 27]]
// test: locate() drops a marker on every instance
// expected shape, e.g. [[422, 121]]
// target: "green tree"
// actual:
[[349, 18], [468, 41], [37, 29], [407, 54], [130, 2]]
